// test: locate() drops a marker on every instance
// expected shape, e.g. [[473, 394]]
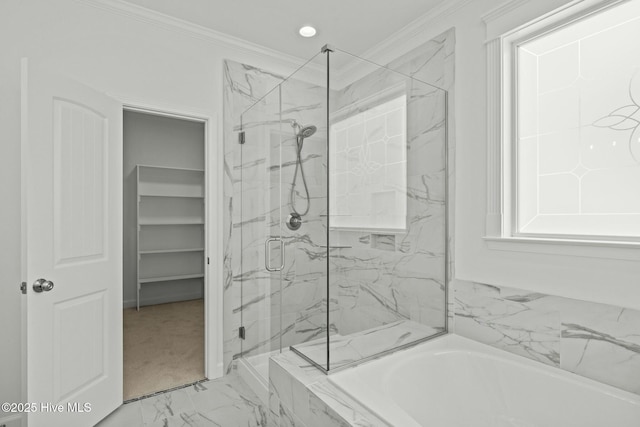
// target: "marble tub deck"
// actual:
[[225, 401], [302, 396], [345, 350]]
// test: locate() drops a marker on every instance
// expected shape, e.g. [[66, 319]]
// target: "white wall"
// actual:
[[120, 55]]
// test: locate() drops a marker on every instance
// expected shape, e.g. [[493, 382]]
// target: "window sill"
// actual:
[[578, 248]]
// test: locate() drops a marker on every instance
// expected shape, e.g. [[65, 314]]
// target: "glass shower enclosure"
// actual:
[[343, 205]]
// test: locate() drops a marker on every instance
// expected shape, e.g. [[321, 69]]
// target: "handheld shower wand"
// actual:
[[295, 218]]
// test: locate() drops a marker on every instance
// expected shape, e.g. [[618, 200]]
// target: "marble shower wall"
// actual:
[[598, 341], [380, 277]]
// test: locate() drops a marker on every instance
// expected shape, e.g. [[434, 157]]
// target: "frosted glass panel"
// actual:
[[578, 122], [369, 181]]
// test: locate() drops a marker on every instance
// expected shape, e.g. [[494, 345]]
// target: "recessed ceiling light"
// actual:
[[307, 31]]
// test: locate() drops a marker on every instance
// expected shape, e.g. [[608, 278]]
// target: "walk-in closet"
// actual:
[[164, 252]]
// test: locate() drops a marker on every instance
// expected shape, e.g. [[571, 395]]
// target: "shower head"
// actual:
[[302, 131], [307, 131]]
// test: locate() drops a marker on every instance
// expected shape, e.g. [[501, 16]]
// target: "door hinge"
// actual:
[[207, 260], [241, 139], [23, 287], [241, 332]]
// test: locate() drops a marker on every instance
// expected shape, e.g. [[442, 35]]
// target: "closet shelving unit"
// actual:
[[171, 219]]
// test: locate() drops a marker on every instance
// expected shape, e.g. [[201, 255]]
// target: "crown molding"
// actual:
[[501, 10], [200, 32], [399, 42], [384, 51], [515, 15], [414, 28]]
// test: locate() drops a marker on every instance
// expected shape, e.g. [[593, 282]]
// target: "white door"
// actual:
[[72, 237]]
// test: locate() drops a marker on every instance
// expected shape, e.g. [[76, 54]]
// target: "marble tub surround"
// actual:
[[597, 341], [602, 342], [302, 396]]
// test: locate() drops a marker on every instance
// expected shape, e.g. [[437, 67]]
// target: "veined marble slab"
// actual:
[[345, 350], [598, 341], [300, 395]]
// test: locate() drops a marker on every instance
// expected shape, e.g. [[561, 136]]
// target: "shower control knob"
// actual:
[[294, 221]]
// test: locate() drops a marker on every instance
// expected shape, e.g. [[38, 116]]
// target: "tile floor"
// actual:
[[224, 402]]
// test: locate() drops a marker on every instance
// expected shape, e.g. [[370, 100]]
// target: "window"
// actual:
[[368, 174], [575, 127]]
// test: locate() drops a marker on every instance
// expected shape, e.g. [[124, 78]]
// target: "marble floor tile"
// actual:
[[166, 405], [126, 415], [225, 402], [190, 418]]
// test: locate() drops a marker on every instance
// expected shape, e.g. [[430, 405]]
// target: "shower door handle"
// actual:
[[267, 251]]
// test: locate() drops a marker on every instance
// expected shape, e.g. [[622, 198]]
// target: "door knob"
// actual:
[[42, 285]]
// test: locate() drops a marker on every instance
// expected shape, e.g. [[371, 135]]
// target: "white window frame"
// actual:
[[502, 40]]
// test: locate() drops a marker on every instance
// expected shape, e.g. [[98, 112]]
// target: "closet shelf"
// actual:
[[168, 278], [172, 223], [171, 251], [170, 212], [169, 168], [172, 196]]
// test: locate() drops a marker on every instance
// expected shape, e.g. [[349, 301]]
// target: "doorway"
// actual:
[[164, 252]]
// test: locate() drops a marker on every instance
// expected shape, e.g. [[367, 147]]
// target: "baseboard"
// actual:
[[162, 300], [12, 421]]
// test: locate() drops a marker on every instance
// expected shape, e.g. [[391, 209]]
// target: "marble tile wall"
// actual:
[[382, 277], [598, 341]]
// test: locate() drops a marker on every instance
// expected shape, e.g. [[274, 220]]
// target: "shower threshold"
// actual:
[[353, 349]]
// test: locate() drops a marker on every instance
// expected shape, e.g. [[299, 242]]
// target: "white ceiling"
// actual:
[[351, 25]]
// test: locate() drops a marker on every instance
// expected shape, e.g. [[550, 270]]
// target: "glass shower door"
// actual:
[[304, 185], [283, 224], [261, 247]]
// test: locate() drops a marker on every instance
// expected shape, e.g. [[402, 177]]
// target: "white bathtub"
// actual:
[[455, 382]]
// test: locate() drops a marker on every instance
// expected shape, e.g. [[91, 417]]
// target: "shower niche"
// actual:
[[341, 213]]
